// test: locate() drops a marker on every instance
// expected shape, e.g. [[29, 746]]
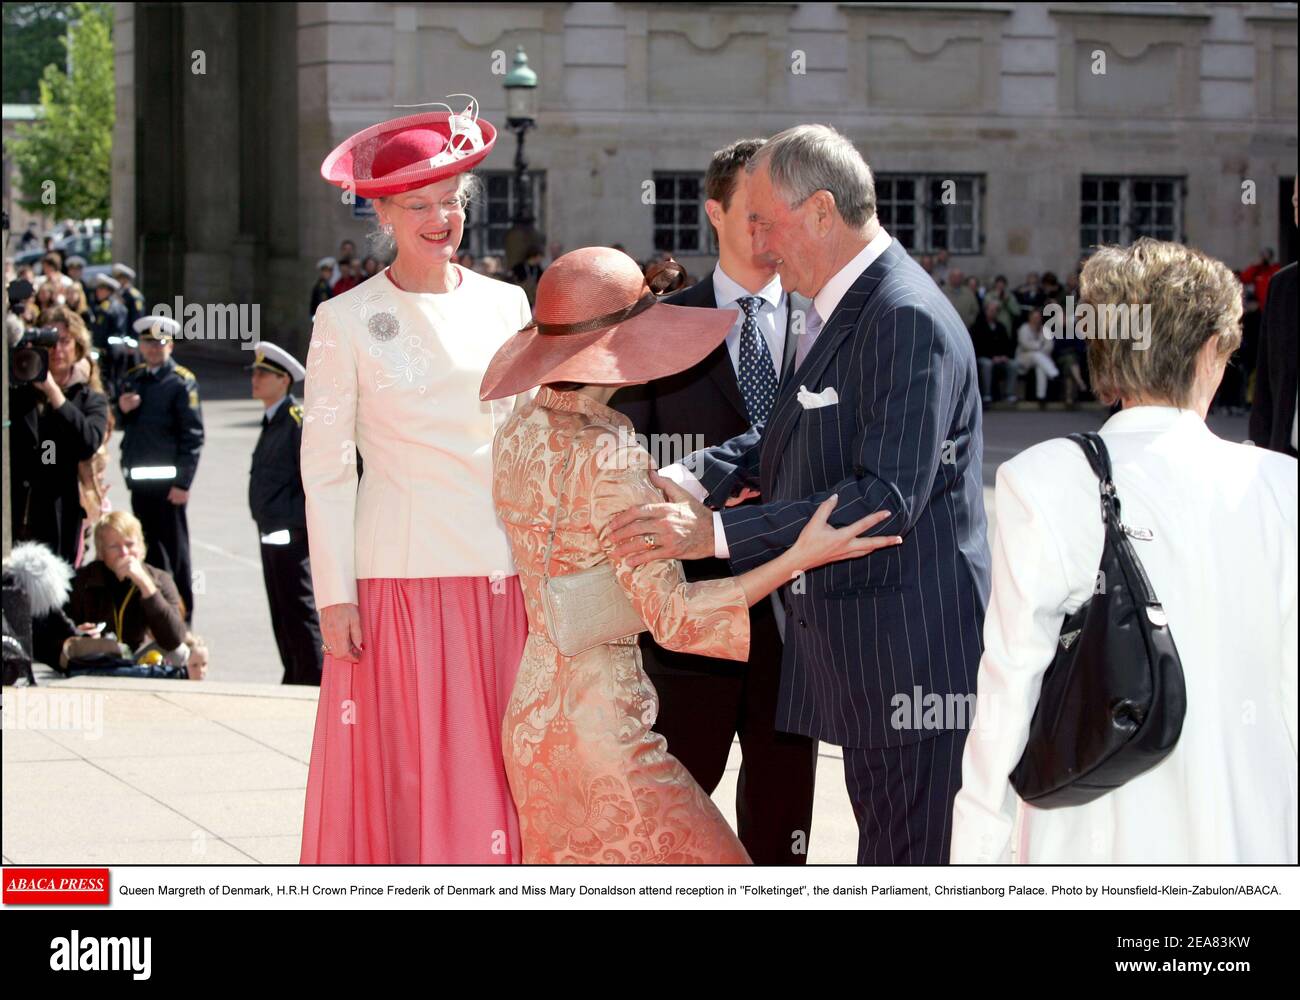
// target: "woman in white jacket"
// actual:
[[1221, 559], [422, 616], [1034, 353]]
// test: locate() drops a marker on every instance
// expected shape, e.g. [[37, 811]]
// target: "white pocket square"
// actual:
[[814, 400]]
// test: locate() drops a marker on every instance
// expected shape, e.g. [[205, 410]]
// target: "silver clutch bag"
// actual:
[[587, 608]]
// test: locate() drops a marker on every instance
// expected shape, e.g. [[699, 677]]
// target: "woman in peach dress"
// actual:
[[592, 782]]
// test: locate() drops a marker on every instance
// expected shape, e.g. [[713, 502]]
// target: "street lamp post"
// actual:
[[521, 115]]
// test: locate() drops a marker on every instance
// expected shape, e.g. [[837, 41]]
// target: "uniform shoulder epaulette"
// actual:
[[186, 374], [295, 411]]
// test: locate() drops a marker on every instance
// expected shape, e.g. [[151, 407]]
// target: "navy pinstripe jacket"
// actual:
[[883, 650]]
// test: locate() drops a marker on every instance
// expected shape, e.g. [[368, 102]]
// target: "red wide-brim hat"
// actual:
[[408, 152], [598, 322]]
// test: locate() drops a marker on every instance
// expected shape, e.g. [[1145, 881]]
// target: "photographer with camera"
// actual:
[[58, 417]]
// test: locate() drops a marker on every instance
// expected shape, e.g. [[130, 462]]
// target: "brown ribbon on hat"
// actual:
[[657, 279]]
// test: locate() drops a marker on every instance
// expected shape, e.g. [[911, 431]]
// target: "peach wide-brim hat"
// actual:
[[409, 152], [598, 321]]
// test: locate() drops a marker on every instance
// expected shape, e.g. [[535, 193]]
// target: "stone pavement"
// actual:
[[128, 771]]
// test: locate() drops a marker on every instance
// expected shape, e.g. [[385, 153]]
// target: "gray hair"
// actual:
[[805, 159], [382, 244]]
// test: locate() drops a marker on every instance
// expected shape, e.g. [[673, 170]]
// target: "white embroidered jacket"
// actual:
[[393, 377]]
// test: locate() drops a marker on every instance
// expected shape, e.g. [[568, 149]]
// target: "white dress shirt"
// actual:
[[825, 303], [828, 299], [771, 317]]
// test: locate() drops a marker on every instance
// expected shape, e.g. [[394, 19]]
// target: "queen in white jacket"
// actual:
[[421, 611], [1221, 559]]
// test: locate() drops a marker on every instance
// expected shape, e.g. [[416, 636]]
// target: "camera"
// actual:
[[29, 358]]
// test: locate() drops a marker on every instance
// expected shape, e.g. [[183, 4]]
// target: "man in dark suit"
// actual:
[[705, 703], [883, 410], [1274, 411]]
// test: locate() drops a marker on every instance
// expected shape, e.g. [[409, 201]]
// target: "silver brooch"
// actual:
[[383, 326]]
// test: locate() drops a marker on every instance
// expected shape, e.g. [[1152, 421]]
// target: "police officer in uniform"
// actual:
[[276, 498], [108, 332], [131, 297], [162, 436]]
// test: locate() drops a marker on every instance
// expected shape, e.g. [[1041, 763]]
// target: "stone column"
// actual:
[[286, 294], [211, 131], [147, 169], [122, 191]]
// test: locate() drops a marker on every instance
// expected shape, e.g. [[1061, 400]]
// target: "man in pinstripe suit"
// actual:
[[704, 703], [883, 409]]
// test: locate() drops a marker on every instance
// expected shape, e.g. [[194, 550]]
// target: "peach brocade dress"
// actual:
[[592, 782]]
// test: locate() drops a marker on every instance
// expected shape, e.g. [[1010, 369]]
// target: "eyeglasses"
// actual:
[[449, 206]]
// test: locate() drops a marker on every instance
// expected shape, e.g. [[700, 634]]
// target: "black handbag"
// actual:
[[1113, 700]]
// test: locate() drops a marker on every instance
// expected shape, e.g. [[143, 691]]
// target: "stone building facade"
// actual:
[[1014, 134]]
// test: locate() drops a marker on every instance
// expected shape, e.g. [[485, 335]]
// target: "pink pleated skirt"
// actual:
[[406, 763]]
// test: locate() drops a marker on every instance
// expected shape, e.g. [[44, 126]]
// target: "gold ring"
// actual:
[[324, 647], [649, 541]]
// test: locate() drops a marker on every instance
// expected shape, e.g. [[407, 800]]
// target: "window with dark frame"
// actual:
[[680, 225], [929, 212], [489, 216], [1116, 209]]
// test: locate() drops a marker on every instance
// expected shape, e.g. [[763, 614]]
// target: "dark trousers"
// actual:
[[902, 799], [701, 712], [287, 572], [52, 519], [167, 533], [1004, 371]]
